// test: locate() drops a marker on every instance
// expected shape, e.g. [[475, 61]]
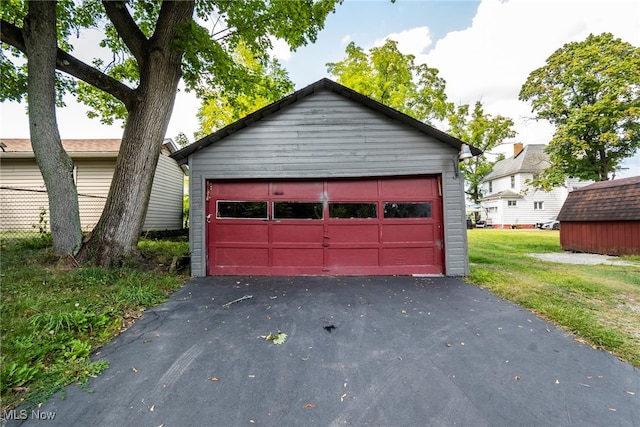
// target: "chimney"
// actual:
[[517, 149]]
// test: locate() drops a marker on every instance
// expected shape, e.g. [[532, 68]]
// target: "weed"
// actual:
[[54, 316]]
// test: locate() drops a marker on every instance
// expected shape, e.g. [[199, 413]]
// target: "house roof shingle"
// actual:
[[322, 84], [15, 145], [617, 200], [71, 146], [532, 159]]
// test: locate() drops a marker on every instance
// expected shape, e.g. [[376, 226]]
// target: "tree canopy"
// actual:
[[590, 91], [154, 45], [269, 82], [483, 131], [392, 78]]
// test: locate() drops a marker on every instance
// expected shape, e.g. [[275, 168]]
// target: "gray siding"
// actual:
[[324, 136], [165, 204]]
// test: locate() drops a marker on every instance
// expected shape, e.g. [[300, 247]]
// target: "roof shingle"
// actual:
[[23, 145], [617, 200]]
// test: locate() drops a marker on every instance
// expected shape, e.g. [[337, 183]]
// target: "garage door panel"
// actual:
[[407, 256], [303, 190], [239, 190], [349, 257], [297, 233], [353, 233], [244, 233], [352, 190], [408, 233], [297, 257], [408, 188], [230, 256]]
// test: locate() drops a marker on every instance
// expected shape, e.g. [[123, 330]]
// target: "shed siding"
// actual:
[[325, 136], [165, 204], [610, 237]]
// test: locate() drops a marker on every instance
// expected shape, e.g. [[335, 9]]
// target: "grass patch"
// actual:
[[599, 304], [55, 315]]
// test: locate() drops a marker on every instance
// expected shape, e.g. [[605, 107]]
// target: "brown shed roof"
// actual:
[[617, 200]]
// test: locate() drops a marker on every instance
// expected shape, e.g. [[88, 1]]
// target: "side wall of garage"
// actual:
[[326, 135]]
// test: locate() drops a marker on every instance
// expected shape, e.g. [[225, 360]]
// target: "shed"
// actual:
[[326, 182], [23, 196], [602, 218]]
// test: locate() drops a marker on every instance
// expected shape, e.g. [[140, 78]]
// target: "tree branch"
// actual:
[[12, 35], [88, 74], [127, 29]]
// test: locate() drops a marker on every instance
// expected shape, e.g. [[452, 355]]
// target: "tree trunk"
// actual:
[[118, 230], [55, 164]]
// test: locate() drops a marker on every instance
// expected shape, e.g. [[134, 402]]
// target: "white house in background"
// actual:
[[510, 201]]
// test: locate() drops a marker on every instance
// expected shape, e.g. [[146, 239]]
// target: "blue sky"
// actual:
[[484, 49]]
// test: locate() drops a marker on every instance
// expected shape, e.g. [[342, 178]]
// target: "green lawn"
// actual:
[[55, 314], [599, 304]]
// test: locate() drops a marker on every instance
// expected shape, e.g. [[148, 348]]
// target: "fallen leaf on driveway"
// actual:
[[309, 406], [214, 379]]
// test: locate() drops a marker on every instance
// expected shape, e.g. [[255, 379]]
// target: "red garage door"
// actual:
[[375, 226]]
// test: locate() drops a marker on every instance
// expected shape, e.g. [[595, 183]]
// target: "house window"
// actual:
[[513, 181], [512, 203], [538, 206], [490, 187]]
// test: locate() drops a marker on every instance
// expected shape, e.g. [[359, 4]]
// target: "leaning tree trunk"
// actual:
[[56, 166], [118, 230]]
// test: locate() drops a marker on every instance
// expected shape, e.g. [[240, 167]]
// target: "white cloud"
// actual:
[[490, 60], [414, 41], [280, 49], [345, 40]]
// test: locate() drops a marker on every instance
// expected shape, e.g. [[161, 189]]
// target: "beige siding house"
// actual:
[[23, 196]]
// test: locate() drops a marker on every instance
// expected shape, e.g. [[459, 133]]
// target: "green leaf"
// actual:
[[278, 338]]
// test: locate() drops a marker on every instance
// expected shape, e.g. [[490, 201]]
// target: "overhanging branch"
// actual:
[[127, 28], [12, 35]]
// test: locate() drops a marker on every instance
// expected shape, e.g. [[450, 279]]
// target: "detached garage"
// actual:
[[326, 182]]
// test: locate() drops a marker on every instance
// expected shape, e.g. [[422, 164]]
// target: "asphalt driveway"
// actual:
[[378, 351]]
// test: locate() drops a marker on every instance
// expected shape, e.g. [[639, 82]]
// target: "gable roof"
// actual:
[[532, 159], [617, 200], [321, 85]]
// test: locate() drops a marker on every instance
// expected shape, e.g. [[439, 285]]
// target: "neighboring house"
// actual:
[[326, 181], [603, 218], [23, 196], [510, 201]]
